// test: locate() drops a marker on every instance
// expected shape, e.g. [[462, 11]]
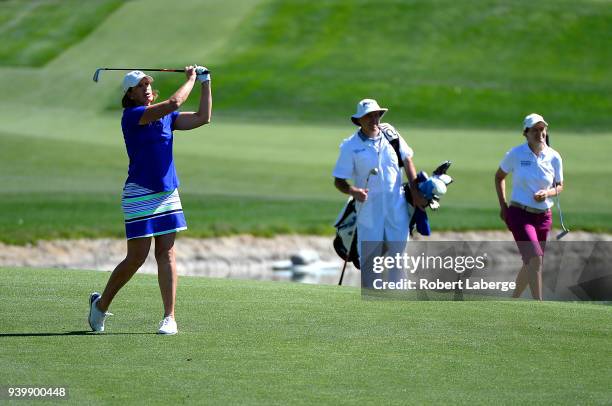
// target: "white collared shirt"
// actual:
[[359, 155], [531, 173], [385, 213]]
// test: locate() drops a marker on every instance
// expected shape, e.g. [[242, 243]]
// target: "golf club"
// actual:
[[373, 171], [96, 76], [565, 230]]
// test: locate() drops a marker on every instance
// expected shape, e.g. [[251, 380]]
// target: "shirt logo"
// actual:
[[356, 151], [525, 163]]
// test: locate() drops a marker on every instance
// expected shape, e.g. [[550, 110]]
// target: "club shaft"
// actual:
[[344, 268], [96, 76], [559, 208], [151, 69]]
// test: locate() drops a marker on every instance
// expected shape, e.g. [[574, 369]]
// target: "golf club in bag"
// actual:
[[96, 76], [373, 171]]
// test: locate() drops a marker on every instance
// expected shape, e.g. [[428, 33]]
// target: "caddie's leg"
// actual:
[[369, 250], [396, 237], [166, 270], [392, 249]]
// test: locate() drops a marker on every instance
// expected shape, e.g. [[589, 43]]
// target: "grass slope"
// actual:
[[141, 33], [35, 32], [440, 63], [276, 343]]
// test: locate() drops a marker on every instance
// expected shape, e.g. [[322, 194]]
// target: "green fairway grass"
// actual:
[[458, 78], [62, 176], [245, 342]]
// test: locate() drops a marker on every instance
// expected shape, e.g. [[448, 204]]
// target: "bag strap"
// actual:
[[393, 137]]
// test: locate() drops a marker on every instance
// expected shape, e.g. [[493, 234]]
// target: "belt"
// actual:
[[528, 209]]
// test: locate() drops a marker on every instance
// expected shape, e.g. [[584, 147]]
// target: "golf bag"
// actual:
[[346, 230], [432, 187]]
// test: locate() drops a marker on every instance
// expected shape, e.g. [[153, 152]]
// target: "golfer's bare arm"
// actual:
[[159, 110], [195, 119], [343, 186], [417, 197], [543, 194], [555, 190], [500, 188]]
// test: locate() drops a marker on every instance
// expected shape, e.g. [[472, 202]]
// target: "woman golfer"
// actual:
[[537, 174], [150, 200]]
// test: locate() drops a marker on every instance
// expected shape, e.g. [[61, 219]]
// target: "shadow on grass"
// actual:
[[67, 333]]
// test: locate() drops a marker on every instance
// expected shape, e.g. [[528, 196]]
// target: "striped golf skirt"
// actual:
[[148, 213]]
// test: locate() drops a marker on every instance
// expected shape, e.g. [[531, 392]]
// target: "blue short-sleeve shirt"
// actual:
[[149, 148]]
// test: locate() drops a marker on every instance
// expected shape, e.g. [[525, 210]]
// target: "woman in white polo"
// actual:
[[537, 175]]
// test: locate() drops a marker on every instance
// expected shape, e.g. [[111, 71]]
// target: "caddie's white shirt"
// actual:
[[384, 215], [531, 173]]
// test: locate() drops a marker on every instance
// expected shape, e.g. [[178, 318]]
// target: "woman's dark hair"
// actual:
[[126, 101]]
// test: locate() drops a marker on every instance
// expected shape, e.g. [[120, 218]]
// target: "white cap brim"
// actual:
[[356, 117], [133, 78], [532, 119]]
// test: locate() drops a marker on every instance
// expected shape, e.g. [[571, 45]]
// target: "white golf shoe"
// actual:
[[167, 326], [96, 316]]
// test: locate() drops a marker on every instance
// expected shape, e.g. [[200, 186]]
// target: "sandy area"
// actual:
[[244, 256]]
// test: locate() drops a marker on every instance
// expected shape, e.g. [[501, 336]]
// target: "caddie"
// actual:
[[383, 213]]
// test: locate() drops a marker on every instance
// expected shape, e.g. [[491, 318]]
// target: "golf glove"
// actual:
[[201, 76]]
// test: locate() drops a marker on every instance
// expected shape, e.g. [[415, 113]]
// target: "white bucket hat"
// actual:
[[532, 120], [133, 78], [366, 106]]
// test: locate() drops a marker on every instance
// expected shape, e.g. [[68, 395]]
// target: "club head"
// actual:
[[562, 234], [441, 170], [96, 75], [374, 171]]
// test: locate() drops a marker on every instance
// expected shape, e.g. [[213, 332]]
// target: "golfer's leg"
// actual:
[[522, 280], [516, 222], [166, 271], [543, 228], [535, 277], [138, 249]]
